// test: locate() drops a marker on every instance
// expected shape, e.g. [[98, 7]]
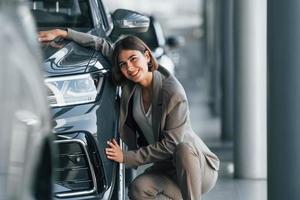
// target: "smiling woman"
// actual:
[[136, 70], [154, 122], [131, 56], [133, 65]]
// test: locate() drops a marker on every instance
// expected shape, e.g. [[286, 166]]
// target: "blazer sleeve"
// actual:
[[87, 40], [173, 134]]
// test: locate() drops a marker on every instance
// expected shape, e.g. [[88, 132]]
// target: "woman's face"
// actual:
[[134, 65]]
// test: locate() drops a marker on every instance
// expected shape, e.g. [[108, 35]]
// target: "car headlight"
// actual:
[[71, 90]]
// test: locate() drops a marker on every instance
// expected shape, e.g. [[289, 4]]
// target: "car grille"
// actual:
[[74, 171]]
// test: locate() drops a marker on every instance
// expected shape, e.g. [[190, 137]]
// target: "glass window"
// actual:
[[105, 15], [62, 13], [150, 36]]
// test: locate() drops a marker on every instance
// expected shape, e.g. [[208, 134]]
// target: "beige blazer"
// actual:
[[170, 115], [170, 120]]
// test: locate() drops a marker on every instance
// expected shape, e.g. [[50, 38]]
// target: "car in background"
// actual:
[[84, 101], [161, 45], [25, 144]]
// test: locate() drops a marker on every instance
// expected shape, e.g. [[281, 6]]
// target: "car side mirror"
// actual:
[[175, 41], [127, 21]]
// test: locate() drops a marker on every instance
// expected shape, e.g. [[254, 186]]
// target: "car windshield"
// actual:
[[62, 13]]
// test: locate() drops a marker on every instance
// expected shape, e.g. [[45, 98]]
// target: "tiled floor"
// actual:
[[229, 188], [238, 189]]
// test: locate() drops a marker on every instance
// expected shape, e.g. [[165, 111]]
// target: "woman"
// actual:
[[154, 123]]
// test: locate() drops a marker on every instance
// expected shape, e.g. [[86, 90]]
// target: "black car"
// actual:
[[83, 99]]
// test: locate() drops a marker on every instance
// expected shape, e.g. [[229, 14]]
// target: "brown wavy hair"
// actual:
[[129, 42]]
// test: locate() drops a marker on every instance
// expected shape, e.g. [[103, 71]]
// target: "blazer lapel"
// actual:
[[156, 104], [127, 92]]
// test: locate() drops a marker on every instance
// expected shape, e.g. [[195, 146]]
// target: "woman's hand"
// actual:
[[47, 36], [114, 152]]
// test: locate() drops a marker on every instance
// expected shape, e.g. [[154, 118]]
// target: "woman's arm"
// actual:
[[173, 132], [114, 151], [83, 39], [47, 36], [87, 40]]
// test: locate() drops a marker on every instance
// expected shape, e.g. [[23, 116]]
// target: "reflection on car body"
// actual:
[[83, 100]]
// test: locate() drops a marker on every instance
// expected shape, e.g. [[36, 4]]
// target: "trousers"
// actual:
[[186, 176]]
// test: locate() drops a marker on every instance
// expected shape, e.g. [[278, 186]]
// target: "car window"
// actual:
[[62, 13], [150, 36], [105, 16]]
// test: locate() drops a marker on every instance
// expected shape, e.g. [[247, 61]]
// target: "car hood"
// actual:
[[67, 58]]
